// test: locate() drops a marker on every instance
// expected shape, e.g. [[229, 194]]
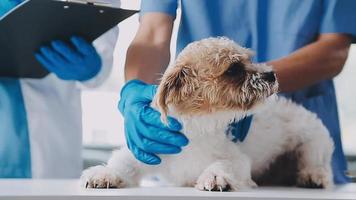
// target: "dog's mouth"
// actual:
[[271, 79]]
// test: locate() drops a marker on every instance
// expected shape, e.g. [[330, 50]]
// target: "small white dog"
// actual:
[[212, 84]]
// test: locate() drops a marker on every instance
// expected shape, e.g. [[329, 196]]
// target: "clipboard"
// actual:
[[35, 23]]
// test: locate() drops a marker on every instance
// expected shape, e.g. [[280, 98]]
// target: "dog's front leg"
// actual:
[[227, 175], [122, 170]]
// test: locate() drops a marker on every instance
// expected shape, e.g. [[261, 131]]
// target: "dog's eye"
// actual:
[[235, 69]]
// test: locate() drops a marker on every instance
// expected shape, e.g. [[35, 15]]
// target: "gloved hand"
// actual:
[[145, 134], [78, 61]]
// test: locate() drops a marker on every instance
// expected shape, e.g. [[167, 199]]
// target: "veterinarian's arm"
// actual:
[[320, 60], [147, 57], [149, 53]]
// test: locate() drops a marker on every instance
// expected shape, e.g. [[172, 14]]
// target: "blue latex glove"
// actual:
[[145, 134], [78, 61]]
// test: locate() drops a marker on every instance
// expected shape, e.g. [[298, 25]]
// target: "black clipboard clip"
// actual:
[[90, 2]]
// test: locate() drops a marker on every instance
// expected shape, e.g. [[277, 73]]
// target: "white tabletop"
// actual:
[[70, 189]]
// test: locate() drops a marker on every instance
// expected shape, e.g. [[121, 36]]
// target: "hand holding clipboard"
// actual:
[[37, 22]]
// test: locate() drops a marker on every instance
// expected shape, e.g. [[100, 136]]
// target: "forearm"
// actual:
[[318, 61], [146, 62], [149, 53]]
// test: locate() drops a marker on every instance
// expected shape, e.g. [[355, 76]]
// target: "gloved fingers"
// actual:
[[145, 157], [163, 136], [152, 117], [140, 155], [134, 135], [83, 46], [45, 63], [66, 51], [157, 148], [51, 55]]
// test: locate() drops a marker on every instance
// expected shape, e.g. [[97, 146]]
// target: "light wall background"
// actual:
[[103, 124]]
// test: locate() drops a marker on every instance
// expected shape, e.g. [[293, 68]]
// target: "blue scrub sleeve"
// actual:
[[339, 16], [168, 7]]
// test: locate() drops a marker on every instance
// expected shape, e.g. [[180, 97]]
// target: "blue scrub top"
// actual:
[[273, 29], [15, 159]]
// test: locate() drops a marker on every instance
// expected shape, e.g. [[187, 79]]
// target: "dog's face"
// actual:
[[214, 74]]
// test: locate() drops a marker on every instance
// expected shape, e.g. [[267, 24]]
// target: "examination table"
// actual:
[[71, 190]]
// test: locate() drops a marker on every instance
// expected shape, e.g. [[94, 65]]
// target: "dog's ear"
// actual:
[[175, 87]]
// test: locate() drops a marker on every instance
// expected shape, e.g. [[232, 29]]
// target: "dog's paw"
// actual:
[[101, 177], [211, 182], [315, 178], [214, 182]]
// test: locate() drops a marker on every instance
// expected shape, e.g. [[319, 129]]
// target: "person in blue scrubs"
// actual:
[[306, 42]]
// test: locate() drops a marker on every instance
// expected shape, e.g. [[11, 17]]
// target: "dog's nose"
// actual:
[[269, 76]]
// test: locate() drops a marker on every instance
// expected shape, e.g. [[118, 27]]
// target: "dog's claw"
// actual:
[[220, 187], [87, 184]]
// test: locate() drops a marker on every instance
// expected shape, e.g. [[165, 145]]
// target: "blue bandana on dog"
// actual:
[[238, 130]]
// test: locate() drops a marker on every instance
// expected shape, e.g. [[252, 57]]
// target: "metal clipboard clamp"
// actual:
[[91, 2]]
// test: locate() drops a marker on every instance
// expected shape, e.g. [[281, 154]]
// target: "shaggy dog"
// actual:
[[212, 84]]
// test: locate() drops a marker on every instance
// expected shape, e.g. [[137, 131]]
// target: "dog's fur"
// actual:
[[212, 83]]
